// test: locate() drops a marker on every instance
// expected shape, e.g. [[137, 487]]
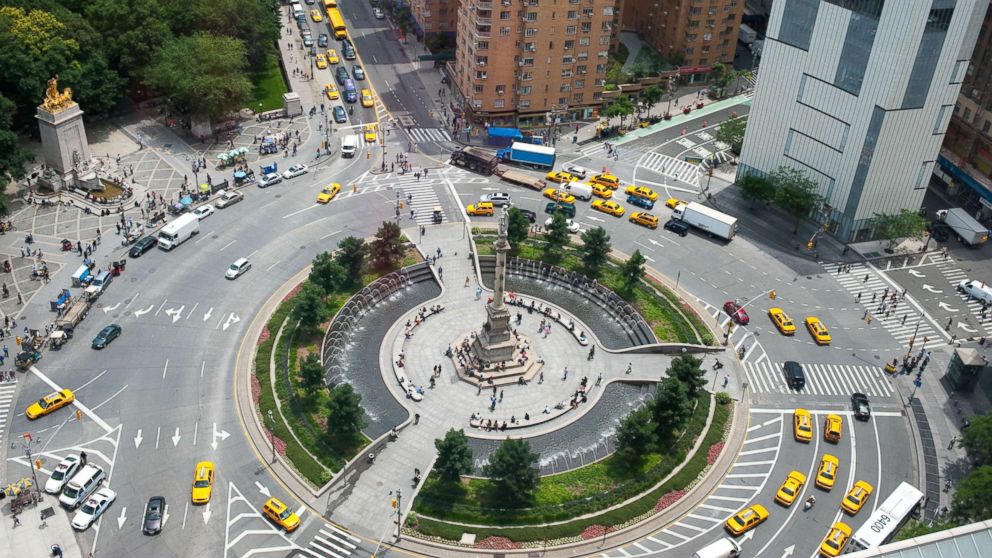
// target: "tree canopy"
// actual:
[[309, 307], [387, 248], [595, 250], [454, 457], [756, 188], [905, 224], [517, 227], [345, 417], [731, 132], [632, 270], [513, 466], [555, 236], [351, 256], [327, 273], [977, 439], [971, 499], [635, 436], [311, 371], [796, 193]]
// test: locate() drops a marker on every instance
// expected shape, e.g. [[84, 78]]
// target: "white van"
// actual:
[[81, 486], [349, 146], [723, 548], [580, 190], [178, 231], [977, 290], [298, 10]]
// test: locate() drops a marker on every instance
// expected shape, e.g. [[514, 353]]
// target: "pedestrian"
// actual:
[[440, 273], [500, 396], [540, 378], [17, 521], [869, 319], [725, 381], [630, 368], [416, 418], [565, 375], [19, 299], [858, 299], [866, 278], [43, 524], [873, 297], [904, 319]]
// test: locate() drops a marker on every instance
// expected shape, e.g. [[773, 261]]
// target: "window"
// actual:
[[482, 45], [481, 60], [583, 41], [604, 40], [478, 89], [693, 24], [499, 103], [531, 16], [476, 103], [500, 89], [568, 59], [585, 26], [569, 45], [504, 15], [562, 101], [573, 14], [607, 26], [481, 74], [528, 61], [531, 32], [921, 176], [691, 37], [527, 76], [525, 90], [504, 31], [524, 103], [608, 11], [577, 98], [580, 83], [600, 68], [584, 55], [796, 27], [927, 56], [603, 54], [570, 30], [581, 70], [854, 55], [530, 47], [566, 73], [565, 88]]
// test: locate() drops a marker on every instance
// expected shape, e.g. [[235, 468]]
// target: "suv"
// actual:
[[794, 375], [566, 208], [358, 72], [349, 51], [498, 199], [677, 227], [341, 74]]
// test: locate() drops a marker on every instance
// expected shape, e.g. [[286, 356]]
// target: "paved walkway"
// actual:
[[31, 538], [634, 45]]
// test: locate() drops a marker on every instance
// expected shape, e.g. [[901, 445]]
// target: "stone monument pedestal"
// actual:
[[63, 141]]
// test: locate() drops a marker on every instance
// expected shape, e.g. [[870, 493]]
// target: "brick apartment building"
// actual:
[[694, 33], [434, 16]]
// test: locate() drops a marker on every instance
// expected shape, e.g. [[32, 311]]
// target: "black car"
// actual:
[[106, 335], [359, 73], [530, 215], [154, 512], [640, 202], [859, 401], [322, 40], [349, 51], [794, 375], [677, 226], [341, 74], [340, 116], [143, 245]]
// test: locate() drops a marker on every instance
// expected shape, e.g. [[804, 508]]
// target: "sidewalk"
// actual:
[[32, 540]]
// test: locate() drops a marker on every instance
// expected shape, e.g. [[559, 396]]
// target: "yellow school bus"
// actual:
[[337, 24], [329, 4]]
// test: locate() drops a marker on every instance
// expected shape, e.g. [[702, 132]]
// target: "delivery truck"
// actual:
[[706, 219], [528, 154], [475, 159], [968, 230], [747, 35], [178, 231]]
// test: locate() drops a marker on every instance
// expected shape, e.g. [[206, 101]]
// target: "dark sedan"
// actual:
[[862, 411], [339, 115], [143, 245], [154, 512], [106, 335], [530, 215]]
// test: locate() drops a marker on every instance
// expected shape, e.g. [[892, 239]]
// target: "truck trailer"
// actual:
[[475, 159], [968, 230], [706, 219], [521, 178], [747, 35], [528, 154], [178, 231]]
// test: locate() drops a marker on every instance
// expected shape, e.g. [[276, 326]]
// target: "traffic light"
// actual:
[[809, 245], [394, 503]]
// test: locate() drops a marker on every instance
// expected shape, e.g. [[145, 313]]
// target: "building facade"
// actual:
[[519, 62], [694, 33], [858, 94], [435, 16]]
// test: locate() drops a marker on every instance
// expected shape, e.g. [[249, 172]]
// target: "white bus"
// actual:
[[906, 499]]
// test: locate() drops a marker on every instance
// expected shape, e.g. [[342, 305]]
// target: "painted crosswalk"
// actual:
[[418, 194], [954, 275], [428, 135], [7, 390], [331, 542], [821, 379], [671, 167], [900, 319]]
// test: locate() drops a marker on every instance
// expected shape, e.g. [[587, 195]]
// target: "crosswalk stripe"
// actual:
[[821, 379], [428, 135], [337, 538]]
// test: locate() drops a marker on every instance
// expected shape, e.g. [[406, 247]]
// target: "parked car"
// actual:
[[204, 211], [62, 473], [340, 116], [322, 40], [358, 72], [269, 180], [229, 198], [295, 170], [93, 508], [677, 226], [142, 245], [154, 510]]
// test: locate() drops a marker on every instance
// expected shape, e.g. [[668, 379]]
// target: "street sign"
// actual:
[[918, 382]]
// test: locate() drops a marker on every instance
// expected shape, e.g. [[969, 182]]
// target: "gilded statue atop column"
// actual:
[[54, 100]]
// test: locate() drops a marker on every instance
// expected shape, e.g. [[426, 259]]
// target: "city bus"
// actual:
[[329, 4], [905, 500], [337, 24]]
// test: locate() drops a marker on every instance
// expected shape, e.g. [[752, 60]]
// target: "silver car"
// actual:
[[269, 180]]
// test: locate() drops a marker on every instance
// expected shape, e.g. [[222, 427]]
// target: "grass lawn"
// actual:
[[269, 87]]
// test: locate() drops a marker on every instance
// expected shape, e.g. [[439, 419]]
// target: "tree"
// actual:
[[257, 26], [796, 193], [594, 250], [670, 408], [621, 107], [387, 248], [756, 188], [905, 224], [309, 307], [556, 237], [514, 468], [632, 271], [13, 157], [454, 457], [351, 256], [688, 370], [311, 371], [977, 439], [327, 273], [635, 436], [651, 95], [971, 499], [132, 31], [517, 227], [345, 417], [731, 132], [203, 72]]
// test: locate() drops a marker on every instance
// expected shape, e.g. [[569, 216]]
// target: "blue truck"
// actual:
[[528, 154]]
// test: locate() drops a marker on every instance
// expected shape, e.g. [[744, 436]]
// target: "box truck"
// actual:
[[747, 35], [969, 231], [528, 154], [178, 231], [706, 219]]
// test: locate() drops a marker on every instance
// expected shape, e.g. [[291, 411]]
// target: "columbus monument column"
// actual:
[[494, 343]]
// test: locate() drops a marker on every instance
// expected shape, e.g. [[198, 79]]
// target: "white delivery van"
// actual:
[[723, 548], [977, 290], [349, 146], [178, 231], [580, 190], [298, 10], [81, 486]]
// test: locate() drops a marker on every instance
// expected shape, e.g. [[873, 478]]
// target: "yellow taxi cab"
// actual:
[[642, 192], [481, 208], [746, 519], [280, 514], [367, 98], [328, 193], [606, 179], [818, 330], [203, 482], [49, 404], [609, 206], [835, 541], [558, 195], [672, 202], [782, 321], [832, 428], [560, 176], [332, 56], [321, 61], [370, 135], [856, 497], [602, 191], [827, 474], [316, 15], [790, 489], [802, 425], [332, 91], [643, 218]]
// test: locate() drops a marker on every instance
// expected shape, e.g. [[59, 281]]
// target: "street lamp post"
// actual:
[[272, 434], [26, 442], [399, 511]]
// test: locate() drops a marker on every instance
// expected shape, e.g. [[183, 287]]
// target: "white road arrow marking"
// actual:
[[263, 489], [747, 535], [223, 434], [931, 289], [947, 307], [175, 314], [595, 218], [788, 551], [916, 274], [165, 516], [108, 309], [967, 328], [206, 514], [139, 313], [648, 258], [207, 315], [122, 518], [176, 437], [232, 319], [655, 242], [137, 439]]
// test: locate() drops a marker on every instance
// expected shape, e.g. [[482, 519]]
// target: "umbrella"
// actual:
[[15, 488], [205, 188], [186, 200], [239, 174]]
